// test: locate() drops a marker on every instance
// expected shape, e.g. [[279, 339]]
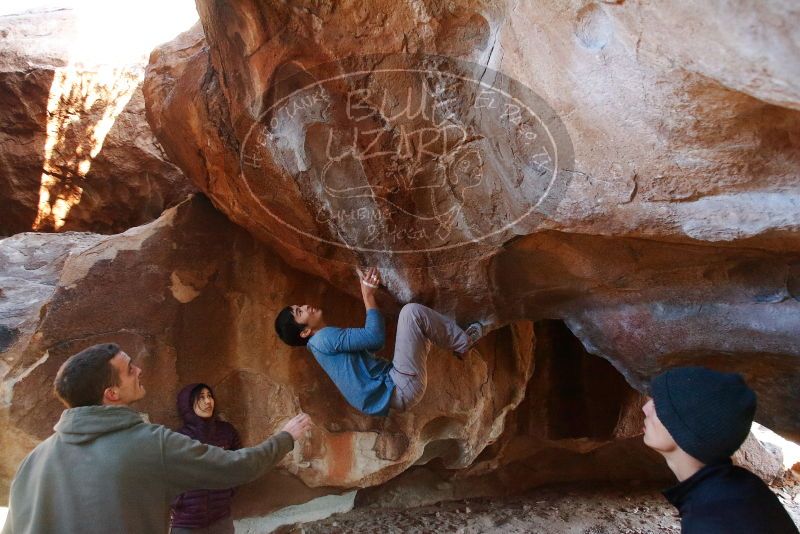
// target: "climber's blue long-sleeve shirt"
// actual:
[[346, 354]]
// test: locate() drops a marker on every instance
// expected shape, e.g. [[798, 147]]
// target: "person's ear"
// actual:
[[305, 333], [111, 394]]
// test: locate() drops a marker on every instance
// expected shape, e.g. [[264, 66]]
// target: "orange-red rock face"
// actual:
[[686, 167], [193, 297]]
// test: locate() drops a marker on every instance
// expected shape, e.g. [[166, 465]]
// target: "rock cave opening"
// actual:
[[585, 395], [571, 396]]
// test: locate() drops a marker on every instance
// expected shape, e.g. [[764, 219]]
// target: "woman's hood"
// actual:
[[185, 405]]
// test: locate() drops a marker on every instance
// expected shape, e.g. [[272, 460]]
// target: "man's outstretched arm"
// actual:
[[190, 464]]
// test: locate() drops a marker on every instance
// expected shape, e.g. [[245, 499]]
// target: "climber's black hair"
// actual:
[[288, 329]]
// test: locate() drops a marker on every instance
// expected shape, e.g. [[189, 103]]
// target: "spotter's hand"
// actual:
[[298, 425]]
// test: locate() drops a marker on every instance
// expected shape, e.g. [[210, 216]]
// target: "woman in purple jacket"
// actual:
[[203, 511]]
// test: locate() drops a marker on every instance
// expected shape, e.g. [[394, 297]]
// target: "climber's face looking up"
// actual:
[[295, 324], [307, 315]]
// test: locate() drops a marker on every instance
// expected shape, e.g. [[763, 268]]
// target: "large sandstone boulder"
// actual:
[[76, 150], [612, 200], [628, 169], [762, 458]]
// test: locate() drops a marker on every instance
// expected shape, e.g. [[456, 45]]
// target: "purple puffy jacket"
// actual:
[[201, 508]]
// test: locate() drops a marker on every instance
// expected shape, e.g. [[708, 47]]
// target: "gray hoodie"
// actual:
[[106, 470]]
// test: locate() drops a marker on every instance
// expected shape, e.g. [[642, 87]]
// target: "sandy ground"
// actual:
[[569, 509]]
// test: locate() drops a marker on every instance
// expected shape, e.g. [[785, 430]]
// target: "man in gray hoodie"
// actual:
[[106, 470]]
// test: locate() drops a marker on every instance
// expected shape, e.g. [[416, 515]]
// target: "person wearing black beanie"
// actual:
[[696, 419]]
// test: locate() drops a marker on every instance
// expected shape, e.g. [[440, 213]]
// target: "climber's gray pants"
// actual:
[[417, 327]]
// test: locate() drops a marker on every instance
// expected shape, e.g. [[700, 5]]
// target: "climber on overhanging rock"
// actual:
[[370, 384]]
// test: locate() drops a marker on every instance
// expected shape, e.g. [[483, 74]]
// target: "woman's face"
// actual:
[[204, 404]]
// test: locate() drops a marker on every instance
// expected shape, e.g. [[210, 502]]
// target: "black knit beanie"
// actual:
[[708, 413]]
